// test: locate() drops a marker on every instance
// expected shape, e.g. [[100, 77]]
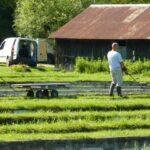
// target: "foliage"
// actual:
[[6, 17], [8, 3], [38, 18], [85, 65], [138, 67], [20, 68]]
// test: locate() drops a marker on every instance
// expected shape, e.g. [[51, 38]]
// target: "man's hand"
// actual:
[[125, 70]]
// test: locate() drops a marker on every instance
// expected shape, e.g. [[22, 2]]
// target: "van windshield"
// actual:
[[27, 49], [2, 45]]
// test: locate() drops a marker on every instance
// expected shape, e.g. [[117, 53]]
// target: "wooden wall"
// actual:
[[68, 50]]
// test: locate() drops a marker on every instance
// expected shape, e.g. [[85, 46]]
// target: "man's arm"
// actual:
[[124, 69]]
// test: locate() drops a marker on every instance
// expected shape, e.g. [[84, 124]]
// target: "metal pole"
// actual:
[[132, 77]]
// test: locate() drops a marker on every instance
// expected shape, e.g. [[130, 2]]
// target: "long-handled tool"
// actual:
[[141, 84], [132, 77]]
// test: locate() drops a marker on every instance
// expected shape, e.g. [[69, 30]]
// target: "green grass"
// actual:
[[42, 116], [47, 74], [98, 103], [77, 135], [81, 117], [76, 126]]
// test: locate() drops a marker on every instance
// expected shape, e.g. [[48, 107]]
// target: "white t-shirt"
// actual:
[[114, 59]]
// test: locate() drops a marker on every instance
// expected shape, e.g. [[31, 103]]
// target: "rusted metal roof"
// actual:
[[108, 22]]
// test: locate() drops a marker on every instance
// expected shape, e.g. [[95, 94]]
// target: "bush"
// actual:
[[138, 67], [85, 65], [20, 68], [146, 65]]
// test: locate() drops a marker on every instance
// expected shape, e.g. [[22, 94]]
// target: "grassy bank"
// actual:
[[83, 103], [82, 135]]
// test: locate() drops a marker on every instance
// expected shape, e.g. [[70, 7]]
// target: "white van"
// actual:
[[18, 50]]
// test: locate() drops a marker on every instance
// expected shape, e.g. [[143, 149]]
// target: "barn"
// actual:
[[91, 33]]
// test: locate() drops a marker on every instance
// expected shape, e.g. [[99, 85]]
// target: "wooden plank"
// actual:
[[40, 84]]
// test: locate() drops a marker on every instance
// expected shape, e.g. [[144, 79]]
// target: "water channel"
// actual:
[[134, 143]]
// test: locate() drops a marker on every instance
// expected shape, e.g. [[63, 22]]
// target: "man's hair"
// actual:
[[114, 44]]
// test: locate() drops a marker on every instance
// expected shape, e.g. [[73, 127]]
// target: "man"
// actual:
[[116, 67]]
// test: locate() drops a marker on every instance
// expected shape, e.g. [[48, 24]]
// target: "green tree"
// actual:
[[37, 18], [7, 8]]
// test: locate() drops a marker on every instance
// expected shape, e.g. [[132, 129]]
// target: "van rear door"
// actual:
[[27, 48], [42, 50], [27, 52]]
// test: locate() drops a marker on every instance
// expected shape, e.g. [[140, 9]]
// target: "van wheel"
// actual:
[[8, 62]]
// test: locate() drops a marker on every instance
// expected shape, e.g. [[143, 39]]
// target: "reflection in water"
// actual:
[[101, 144]]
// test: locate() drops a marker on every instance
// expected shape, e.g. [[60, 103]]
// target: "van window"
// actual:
[[27, 48], [2, 45]]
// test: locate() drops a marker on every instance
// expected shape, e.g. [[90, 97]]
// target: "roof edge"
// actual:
[[118, 5]]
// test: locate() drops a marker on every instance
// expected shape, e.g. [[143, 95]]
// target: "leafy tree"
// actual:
[[36, 18], [6, 18], [8, 3]]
